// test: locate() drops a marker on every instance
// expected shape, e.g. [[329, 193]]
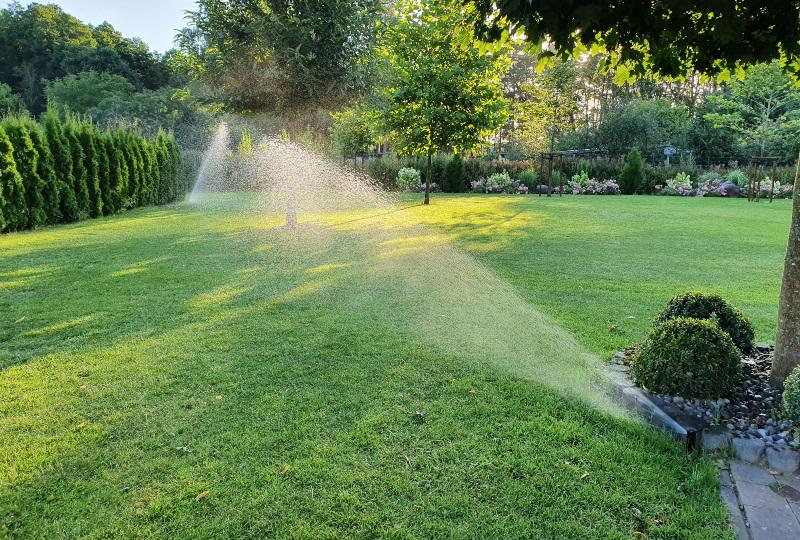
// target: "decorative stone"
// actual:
[[783, 459], [749, 450], [716, 438], [729, 189]]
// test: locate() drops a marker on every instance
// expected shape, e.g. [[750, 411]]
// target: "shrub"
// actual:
[[408, 179], [45, 168], [529, 178], [691, 358], [680, 185], [26, 158], [606, 187], [62, 162], [454, 180], [13, 215], [632, 175], [497, 183], [737, 177], [699, 305], [710, 185], [79, 172], [791, 396], [582, 178], [91, 164]]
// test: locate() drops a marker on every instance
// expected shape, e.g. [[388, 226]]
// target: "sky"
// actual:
[[154, 21]]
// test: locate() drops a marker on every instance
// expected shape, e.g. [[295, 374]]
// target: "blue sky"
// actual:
[[154, 21]]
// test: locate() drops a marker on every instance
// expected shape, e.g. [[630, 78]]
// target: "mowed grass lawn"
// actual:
[[188, 372]]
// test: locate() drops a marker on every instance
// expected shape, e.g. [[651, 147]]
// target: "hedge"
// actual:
[[63, 169]]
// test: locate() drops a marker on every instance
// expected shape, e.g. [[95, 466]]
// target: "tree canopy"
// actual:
[[666, 37]]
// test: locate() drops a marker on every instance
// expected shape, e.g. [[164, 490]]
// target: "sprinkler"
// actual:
[[291, 210]]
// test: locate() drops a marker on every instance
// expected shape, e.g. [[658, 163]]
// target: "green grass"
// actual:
[[152, 357]]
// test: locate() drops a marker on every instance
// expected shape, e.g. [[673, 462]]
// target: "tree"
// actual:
[[643, 124], [762, 110], [45, 168], [354, 131], [79, 172], [664, 37], [13, 214], [444, 90], [548, 105], [670, 37], [281, 55], [82, 92], [26, 158], [10, 103], [632, 174], [91, 164], [59, 146]]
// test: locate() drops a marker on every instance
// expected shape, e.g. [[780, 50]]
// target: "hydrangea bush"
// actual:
[[498, 183], [681, 185], [593, 187], [408, 179]]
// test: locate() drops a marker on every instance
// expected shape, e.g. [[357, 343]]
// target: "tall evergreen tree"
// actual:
[[86, 133], [62, 160], [79, 172], [27, 159], [47, 172], [14, 214], [104, 153]]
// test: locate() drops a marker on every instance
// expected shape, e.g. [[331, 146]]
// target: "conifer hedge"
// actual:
[[63, 169]]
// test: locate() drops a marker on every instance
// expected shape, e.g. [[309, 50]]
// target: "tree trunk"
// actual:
[[787, 342], [428, 179]]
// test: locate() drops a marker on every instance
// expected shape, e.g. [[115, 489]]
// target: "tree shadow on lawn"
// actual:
[[283, 375]]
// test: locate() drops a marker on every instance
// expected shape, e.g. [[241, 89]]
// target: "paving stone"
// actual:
[[725, 478], [716, 438], [737, 519], [761, 496], [750, 473], [785, 461], [749, 450], [772, 523]]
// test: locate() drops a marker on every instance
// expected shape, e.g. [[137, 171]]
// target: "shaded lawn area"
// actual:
[[597, 262], [187, 373]]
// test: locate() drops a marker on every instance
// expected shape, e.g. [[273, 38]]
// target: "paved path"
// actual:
[[763, 506]]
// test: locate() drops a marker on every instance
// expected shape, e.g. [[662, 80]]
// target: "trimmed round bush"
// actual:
[[791, 396], [698, 305], [691, 358]]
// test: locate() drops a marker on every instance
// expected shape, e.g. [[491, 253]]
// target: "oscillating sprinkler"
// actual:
[[291, 209]]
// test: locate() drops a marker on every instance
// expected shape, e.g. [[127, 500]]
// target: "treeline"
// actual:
[[64, 169]]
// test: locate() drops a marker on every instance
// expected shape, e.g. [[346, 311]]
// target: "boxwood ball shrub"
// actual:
[[791, 396], [692, 358], [699, 305]]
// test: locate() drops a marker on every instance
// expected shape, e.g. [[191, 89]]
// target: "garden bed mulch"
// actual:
[[749, 423]]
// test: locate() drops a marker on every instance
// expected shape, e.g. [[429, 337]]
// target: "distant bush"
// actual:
[[26, 158], [680, 185], [408, 179], [791, 396], [631, 178], [529, 178], [13, 213], [700, 305], [686, 357], [737, 177], [496, 183], [710, 185], [454, 180]]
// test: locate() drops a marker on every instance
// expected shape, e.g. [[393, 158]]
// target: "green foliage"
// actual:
[[631, 178], [454, 179], [82, 92], [26, 158], [41, 43], [699, 305], [737, 177], [10, 103], [691, 358], [791, 396], [353, 132], [529, 178], [45, 168], [62, 160], [668, 38], [408, 179], [444, 89], [119, 169], [245, 147], [13, 212], [643, 124], [282, 55]]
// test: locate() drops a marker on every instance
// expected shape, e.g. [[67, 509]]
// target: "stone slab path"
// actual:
[[763, 506]]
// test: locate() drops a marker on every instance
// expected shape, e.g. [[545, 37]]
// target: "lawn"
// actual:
[[192, 372]]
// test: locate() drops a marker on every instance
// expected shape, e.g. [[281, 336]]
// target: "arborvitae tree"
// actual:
[[631, 178], [122, 178], [151, 171], [14, 213], [141, 198], [164, 173], [181, 181], [47, 172], [27, 159], [103, 145], [86, 136], [79, 172], [62, 160]]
